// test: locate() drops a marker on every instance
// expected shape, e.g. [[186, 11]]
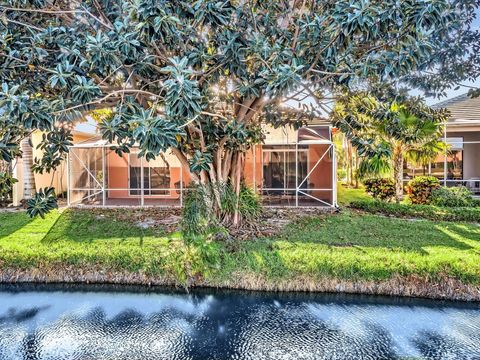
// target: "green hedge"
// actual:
[[470, 214]]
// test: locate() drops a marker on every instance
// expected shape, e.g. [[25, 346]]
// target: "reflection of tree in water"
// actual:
[[435, 346], [25, 345], [271, 333], [14, 315], [30, 347], [128, 335], [230, 327]]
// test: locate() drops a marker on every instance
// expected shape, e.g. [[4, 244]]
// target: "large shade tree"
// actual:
[[387, 130], [197, 76]]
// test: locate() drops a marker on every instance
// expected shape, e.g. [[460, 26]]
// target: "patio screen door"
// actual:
[[156, 177], [279, 171]]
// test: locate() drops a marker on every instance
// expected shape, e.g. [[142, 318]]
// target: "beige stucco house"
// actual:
[[460, 165]]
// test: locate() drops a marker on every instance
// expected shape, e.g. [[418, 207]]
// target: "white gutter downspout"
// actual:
[[445, 164]]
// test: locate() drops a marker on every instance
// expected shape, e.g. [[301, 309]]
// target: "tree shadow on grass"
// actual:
[[465, 231], [11, 222], [378, 232], [84, 226]]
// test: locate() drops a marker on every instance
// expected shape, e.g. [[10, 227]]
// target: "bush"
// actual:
[[452, 196], [6, 186], [468, 214], [382, 189], [420, 189], [249, 205], [198, 217]]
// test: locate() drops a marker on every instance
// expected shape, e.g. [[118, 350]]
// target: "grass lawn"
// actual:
[[346, 246], [346, 195]]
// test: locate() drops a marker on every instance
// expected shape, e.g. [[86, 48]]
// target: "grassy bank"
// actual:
[[342, 252]]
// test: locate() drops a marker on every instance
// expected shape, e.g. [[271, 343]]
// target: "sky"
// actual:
[[450, 93]]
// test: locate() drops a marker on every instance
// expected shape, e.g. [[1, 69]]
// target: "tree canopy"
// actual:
[[198, 76]]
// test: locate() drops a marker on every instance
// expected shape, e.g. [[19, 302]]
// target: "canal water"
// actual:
[[105, 322]]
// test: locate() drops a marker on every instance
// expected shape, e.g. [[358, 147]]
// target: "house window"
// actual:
[[410, 170], [454, 161], [437, 167], [156, 177], [454, 165], [159, 180]]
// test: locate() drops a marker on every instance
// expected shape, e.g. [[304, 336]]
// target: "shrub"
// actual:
[[6, 186], [468, 214], [420, 189], [382, 189], [475, 202], [452, 196], [249, 203], [198, 217]]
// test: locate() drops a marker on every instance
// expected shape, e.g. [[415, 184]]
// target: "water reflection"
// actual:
[[135, 323]]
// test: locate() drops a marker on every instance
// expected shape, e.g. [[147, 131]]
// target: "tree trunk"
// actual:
[[398, 173], [226, 171], [349, 162], [357, 162], [28, 176], [236, 179]]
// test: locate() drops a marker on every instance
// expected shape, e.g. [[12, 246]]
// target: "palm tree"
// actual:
[[386, 132], [28, 176]]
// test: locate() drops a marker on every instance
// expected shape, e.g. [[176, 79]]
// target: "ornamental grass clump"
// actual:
[[199, 217], [421, 188]]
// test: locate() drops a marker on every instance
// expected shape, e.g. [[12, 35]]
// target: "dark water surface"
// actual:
[[80, 322]]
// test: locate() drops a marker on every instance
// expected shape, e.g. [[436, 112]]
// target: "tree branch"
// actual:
[[24, 24], [105, 98], [57, 12]]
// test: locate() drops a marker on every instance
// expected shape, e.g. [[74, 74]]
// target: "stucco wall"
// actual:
[[118, 170], [321, 176]]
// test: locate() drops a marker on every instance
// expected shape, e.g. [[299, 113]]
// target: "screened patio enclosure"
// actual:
[[292, 168], [460, 164]]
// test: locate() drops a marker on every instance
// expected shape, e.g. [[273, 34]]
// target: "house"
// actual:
[[291, 168], [460, 165]]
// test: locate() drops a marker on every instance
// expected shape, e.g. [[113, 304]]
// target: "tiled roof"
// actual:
[[462, 108]]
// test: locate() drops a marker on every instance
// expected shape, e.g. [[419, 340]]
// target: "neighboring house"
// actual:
[[460, 165], [292, 168], [58, 179]]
